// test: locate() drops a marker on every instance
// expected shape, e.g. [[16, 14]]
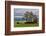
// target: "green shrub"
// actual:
[[17, 22]]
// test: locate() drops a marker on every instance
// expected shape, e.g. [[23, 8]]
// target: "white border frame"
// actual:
[[25, 28]]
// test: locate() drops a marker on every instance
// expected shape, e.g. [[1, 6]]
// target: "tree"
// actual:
[[26, 15], [31, 16], [35, 19]]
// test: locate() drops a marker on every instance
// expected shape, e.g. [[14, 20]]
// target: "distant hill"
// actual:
[[22, 19], [19, 19]]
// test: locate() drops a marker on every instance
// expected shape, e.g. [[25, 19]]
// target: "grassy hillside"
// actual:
[[22, 24]]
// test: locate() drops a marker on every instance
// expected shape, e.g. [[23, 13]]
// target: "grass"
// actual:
[[22, 24]]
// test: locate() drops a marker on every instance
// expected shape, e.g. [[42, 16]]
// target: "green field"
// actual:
[[22, 24]]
